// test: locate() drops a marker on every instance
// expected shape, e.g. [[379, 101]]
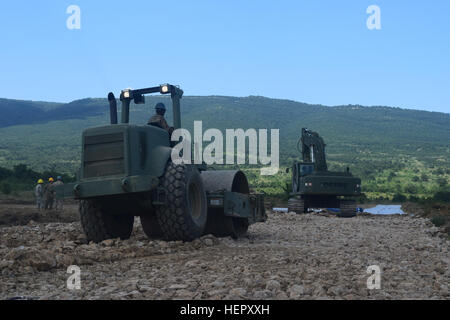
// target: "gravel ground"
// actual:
[[289, 257]]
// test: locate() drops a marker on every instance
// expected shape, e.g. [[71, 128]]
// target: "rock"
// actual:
[[262, 294], [218, 284], [240, 292], [41, 260], [296, 291], [433, 231], [192, 263], [208, 242], [217, 294], [64, 260], [184, 294], [248, 282], [4, 264], [273, 285], [337, 291], [178, 286], [139, 244], [145, 288], [439, 270], [281, 295], [120, 295], [108, 242], [81, 239]]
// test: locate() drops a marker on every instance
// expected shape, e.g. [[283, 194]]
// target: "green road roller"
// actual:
[[127, 171]]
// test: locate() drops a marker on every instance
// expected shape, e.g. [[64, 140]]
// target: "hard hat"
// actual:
[[40, 181], [50, 179], [160, 105], [59, 178]]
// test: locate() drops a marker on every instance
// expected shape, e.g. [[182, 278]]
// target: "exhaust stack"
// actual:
[[112, 108]]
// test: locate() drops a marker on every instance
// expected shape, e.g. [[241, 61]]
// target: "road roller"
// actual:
[[127, 170]]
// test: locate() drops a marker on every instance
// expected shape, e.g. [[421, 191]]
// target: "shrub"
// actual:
[[442, 196], [439, 221], [5, 187], [398, 197], [286, 191], [442, 182], [362, 198], [411, 188]]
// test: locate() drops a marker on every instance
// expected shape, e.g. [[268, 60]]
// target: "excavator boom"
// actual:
[[313, 149]]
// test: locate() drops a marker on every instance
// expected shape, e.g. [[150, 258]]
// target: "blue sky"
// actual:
[[309, 51]]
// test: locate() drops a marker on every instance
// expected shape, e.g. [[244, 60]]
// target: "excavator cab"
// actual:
[[306, 168]]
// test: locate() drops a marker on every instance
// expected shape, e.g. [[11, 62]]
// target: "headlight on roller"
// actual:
[[126, 93], [164, 88]]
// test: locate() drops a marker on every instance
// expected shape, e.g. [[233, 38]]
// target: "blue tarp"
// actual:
[[385, 209], [379, 209]]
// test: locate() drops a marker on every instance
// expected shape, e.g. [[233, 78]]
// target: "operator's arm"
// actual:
[[159, 121], [164, 124]]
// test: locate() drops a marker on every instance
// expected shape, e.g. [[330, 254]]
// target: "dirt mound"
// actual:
[[15, 214]]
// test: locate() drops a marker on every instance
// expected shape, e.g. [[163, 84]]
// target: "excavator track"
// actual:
[[348, 209], [296, 205]]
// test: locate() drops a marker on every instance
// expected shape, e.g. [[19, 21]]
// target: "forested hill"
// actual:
[[17, 112], [393, 150], [32, 130]]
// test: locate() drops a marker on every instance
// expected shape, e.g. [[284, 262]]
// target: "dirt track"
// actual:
[[290, 256]]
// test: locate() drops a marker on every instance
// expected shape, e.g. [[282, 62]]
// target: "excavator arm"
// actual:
[[313, 149]]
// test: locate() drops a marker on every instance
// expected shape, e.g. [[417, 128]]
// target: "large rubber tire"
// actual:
[[99, 225], [184, 215], [151, 226], [296, 205], [348, 209]]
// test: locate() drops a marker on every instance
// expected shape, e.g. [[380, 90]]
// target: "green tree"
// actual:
[[411, 188], [391, 176], [442, 182], [442, 196]]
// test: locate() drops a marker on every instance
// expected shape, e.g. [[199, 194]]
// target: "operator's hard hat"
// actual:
[[50, 179], [160, 106], [59, 178], [40, 181]]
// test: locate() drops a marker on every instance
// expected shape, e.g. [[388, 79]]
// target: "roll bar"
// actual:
[[138, 96]]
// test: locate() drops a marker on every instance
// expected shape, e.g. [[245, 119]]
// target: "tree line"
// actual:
[[20, 178]]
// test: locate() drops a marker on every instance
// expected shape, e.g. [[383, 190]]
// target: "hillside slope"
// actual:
[[374, 141]]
